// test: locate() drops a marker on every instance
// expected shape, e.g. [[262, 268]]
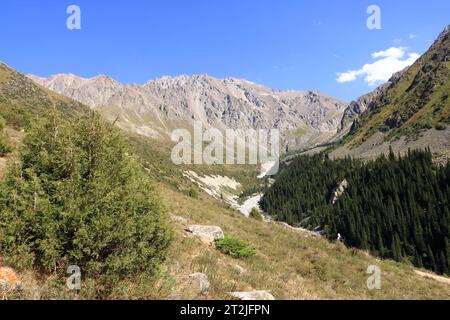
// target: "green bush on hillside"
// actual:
[[78, 198], [255, 214], [235, 247], [193, 193], [440, 126], [5, 146]]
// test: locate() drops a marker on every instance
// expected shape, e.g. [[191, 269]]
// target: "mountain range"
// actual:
[[304, 118], [411, 110]]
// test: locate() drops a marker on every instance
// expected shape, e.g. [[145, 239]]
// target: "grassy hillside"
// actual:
[[300, 268], [21, 99], [418, 101]]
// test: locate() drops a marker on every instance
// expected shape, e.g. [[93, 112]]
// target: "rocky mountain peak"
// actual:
[[443, 35], [153, 108]]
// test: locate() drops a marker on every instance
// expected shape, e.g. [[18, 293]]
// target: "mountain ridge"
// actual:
[[412, 111], [168, 102]]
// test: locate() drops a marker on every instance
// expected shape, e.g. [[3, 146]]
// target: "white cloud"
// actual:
[[388, 62], [395, 53], [412, 36]]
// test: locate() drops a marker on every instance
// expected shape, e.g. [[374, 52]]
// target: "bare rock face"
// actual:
[[252, 295], [159, 106], [339, 191], [208, 234], [200, 282], [92, 92]]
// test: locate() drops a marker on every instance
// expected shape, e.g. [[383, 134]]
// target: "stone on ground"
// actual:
[[208, 234], [252, 295], [201, 282]]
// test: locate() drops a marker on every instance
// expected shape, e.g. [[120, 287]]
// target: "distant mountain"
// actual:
[[304, 118], [411, 111]]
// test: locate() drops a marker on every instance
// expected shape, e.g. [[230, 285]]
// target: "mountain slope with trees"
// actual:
[[396, 207]]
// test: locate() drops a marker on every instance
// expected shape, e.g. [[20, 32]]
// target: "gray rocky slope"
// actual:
[[304, 118]]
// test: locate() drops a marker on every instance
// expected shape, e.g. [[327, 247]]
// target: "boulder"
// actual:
[[201, 282], [252, 295], [208, 234], [9, 279]]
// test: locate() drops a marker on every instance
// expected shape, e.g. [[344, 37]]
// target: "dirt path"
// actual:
[[433, 276]]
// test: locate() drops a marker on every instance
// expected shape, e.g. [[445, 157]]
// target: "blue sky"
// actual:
[[285, 44]]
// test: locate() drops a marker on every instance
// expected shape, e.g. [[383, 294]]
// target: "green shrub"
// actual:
[[5, 146], [255, 214], [78, 198], [193, 193], [440, 126], [2, 123], [235, 247]]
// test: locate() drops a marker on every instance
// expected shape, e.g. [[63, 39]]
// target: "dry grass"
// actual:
[[289, 265]]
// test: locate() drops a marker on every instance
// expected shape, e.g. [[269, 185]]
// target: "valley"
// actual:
[[391, 208]]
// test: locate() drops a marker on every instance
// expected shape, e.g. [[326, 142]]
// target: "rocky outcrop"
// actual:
[[303, 231], [252, 295], [200, 283], [207, 234], [339, 191]]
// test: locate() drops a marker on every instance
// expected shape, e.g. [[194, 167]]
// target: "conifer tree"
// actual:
[[78, 196]]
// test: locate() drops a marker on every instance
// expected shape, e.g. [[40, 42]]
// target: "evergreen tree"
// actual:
[[397, 207], [78, 196]]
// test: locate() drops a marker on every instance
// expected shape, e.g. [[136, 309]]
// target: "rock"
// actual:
[[208, 234], [339, 191], [306, 232], [201, 281], [178, 219], [239, 269], [252, 295], [9, 279]]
